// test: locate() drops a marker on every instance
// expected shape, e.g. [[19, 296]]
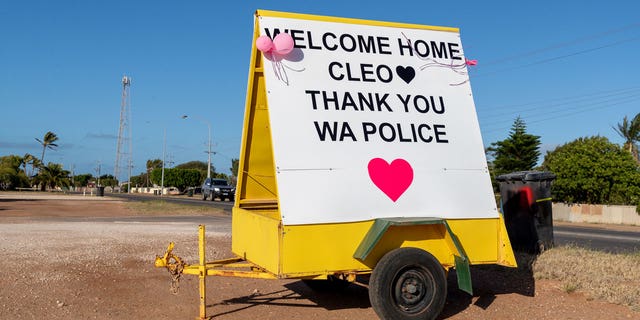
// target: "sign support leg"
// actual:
[[202, 275]]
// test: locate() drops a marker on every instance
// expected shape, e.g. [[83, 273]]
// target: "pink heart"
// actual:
[[393, 179]]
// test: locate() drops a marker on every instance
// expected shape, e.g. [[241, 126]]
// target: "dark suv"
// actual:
[[217, 188]]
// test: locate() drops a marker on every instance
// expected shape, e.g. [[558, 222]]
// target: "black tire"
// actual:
[[331, 284], [213, 197], [408, 283], [204, 196]]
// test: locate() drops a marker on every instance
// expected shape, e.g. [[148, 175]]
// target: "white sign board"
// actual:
[[372, 120]]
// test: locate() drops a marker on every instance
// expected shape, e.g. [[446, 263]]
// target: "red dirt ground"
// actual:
[[57, 266]]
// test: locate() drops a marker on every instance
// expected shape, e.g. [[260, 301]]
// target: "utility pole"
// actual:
[[73, 176], [98, 170], [130, 167]]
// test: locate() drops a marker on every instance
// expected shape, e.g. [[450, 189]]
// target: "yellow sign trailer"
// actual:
[[390, 232]]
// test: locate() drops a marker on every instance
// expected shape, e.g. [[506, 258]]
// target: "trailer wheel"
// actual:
[[331, 284], [408, 283]]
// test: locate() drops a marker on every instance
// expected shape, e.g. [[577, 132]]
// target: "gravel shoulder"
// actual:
[[56, 268]]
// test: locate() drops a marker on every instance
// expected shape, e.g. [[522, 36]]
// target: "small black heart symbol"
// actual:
[[407, 74]]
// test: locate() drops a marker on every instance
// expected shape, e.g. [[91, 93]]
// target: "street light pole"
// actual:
[[209, 144], [209, 152], [130, 167], [98, 169], [164, 146]]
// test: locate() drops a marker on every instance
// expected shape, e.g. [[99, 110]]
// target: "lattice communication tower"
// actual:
[[124, 149]]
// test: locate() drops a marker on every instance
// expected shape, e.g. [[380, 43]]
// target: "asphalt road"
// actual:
[[596, 237], [196, 200]]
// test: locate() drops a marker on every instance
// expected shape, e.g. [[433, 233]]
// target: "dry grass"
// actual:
[[168, 208], [612, 277]]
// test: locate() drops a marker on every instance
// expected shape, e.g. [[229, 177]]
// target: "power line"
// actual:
[[552, 108], [556, 57], [600, 107], [582, 51], [561, 44], [577, 97], [585, 110]]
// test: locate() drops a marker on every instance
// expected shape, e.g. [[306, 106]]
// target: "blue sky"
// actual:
[[566, 67]]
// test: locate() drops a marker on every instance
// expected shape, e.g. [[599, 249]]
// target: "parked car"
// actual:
[[217, 188], [190, 191]]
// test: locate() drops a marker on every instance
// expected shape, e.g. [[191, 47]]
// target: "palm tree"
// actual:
[[630, 131], [52, 175], [35, 164], [28, 160], [152, 164], [48, 142]]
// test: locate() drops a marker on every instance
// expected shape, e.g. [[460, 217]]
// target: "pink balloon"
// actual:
[[283, 43], [264, 44]]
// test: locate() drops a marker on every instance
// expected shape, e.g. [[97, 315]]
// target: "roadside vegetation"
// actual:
[[611, 277], [594, 171], [30, 172], [589, 170], [161, 207]]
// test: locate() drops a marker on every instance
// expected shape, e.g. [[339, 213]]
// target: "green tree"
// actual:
[[11, 176], [52, 175], [176, 177], [630, 131], [200, 166], [139, 180], [151, 165], [47, 142], [8, 178], [36, 164], [29, 159], [233, 180], [82, 180], [234, 167], [108, 180], [594, 170], [218, 175], [519, 152]]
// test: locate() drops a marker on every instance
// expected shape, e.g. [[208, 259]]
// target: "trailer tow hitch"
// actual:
[[174, 264]]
